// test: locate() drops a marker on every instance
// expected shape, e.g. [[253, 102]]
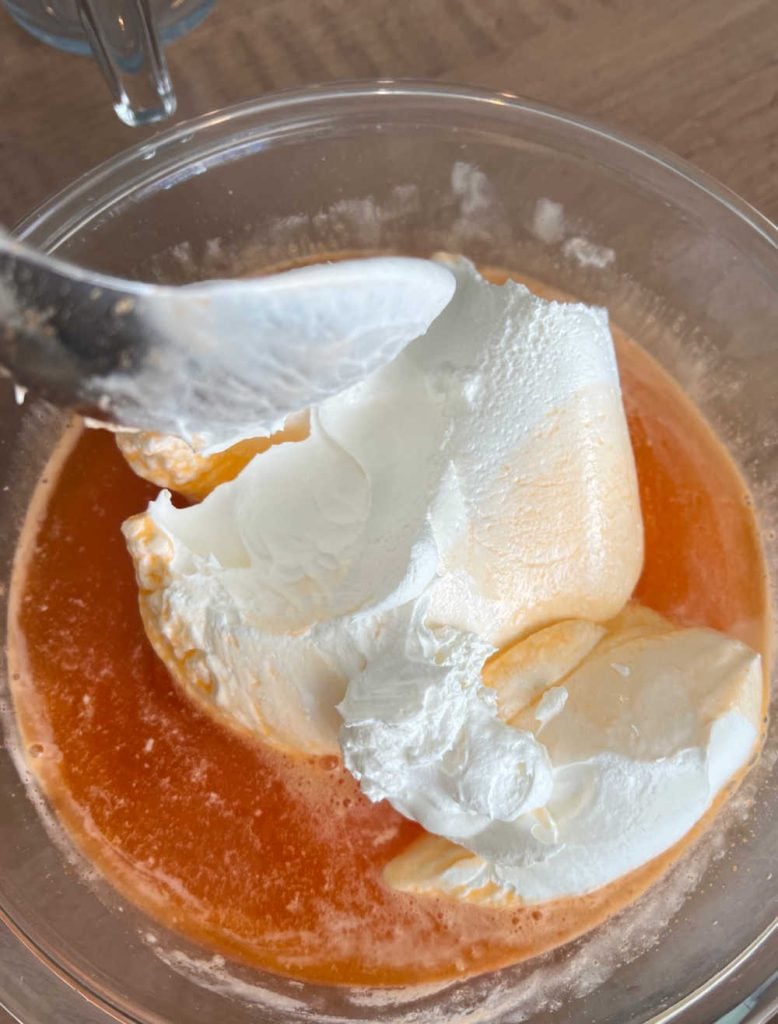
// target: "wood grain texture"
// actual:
[[698, 76]]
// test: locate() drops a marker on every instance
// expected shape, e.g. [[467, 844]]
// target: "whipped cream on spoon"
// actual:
[[210, 362]]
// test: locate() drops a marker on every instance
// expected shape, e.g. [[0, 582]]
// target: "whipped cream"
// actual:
[[642, 735], [171, 462], [432, 497], [294, 339], [347, 593]]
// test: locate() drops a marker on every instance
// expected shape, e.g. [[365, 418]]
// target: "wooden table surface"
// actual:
[[698, 76]]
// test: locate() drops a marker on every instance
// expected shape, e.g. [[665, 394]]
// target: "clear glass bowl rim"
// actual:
[[68, 211], [107, 183]]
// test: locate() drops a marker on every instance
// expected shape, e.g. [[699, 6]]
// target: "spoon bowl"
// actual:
[[211, 362]]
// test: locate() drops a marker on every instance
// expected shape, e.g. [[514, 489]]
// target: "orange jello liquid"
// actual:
[[274, 860]]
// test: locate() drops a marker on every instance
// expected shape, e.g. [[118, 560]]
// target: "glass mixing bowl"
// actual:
[[682, 264]]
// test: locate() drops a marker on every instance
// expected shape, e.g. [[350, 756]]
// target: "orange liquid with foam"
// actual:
[[278, 861]]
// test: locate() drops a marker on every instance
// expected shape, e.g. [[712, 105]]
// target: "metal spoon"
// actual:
[[209, 362]]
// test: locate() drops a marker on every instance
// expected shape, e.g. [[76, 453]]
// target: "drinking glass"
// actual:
[[126, 37]]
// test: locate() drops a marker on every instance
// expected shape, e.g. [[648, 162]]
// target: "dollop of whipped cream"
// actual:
[[171, 462], [346, 593], [642, 733]]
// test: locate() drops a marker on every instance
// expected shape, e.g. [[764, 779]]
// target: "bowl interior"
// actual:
[[684, 267]]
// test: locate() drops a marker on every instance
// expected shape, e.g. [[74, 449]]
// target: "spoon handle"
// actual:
[[62, 328]]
